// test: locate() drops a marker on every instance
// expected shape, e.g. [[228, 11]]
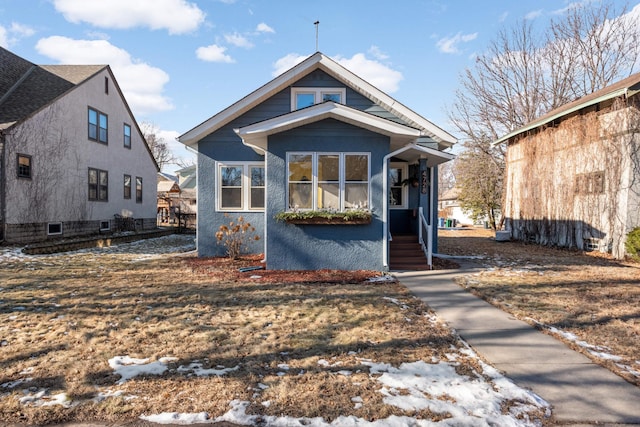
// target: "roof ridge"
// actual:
[[17, 83]]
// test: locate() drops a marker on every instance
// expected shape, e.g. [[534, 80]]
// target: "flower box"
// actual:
[[325, 218]]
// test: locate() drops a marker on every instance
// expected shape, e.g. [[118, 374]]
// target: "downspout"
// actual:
[[264, 153], [385, 202]]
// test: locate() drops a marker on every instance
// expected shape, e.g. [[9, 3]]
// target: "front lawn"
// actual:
[[113, 335]]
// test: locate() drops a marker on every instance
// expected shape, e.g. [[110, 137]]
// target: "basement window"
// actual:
[[54, 228]]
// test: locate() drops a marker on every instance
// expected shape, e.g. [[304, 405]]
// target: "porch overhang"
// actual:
[[256, 135]]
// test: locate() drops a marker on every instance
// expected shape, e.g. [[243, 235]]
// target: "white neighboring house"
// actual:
[[449, 208], [73, 160]]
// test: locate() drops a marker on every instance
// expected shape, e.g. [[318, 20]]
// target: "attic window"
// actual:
[[302, 97], [106, 85]]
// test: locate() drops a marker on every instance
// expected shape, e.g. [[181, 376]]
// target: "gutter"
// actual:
[[3, 186]]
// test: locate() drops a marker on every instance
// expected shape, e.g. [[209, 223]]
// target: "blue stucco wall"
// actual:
[[309, 247]]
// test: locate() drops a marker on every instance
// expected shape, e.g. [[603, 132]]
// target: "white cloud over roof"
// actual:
[[264, 28], [176, 16], [375, 72], [141, 83]]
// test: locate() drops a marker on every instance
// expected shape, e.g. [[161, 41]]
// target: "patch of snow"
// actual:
[[42, 398], [396, 302], [177, 418], [382, 279], [128, 367], [199, 371]]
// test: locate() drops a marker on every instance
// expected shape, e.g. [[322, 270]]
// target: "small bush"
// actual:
[[235, 236], [632, 245]]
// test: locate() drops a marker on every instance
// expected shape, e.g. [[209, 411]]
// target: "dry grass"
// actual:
[[63, 317], [588, 294]]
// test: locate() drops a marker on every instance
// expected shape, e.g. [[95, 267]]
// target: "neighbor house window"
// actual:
[[106, 85], [98, 126], [241, 186], [127, 186], [330, 181], [589, 183], [98, 185], [398, 172], [127, 136], [138, 189], [302, 97], [24, 166], [54, 228]]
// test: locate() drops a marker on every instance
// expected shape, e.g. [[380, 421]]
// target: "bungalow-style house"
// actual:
[[573, 176], [72, 158], [177, 198], [316, 140]]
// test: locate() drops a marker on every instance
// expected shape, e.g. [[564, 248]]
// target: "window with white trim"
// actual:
[[398, 192], [328, 181], [302, 97], [241, 186]]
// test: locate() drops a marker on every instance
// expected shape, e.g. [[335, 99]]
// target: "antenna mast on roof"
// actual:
[[317, 24]]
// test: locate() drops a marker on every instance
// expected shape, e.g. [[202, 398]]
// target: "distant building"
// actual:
[[449, 208], [72, 158]]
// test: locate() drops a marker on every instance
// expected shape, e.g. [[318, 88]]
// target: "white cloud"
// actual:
[[377, 53], [374, 72], [503, 17], [213, 53], [286, 62], [176, 16], [238, 40], [14, 33], [141, 83], [264, 28], [533, 14], [451, 44], [4, 39]]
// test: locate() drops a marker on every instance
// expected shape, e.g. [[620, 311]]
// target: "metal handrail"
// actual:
[[427, 249]]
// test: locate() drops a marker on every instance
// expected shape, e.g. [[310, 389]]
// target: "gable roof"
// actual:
[[26, 87], [328, 65], [627, 87], [255, 135]]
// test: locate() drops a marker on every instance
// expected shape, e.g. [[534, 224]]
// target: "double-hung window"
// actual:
[[302, 97], [127, 187], [98, 126], [138, 189], [24, 166], [127, 135], [398, 191], [241, 186], [328, 181], [98, 185]]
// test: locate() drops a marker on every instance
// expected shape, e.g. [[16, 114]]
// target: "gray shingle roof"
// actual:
[[26, 87]]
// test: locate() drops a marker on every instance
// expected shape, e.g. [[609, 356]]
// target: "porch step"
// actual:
[[405, 253]]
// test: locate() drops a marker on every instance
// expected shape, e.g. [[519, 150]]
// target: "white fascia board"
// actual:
[[253, 99], [256, 134], [377, 96]]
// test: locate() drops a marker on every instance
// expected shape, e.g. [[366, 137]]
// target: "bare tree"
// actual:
[[525, 74], [159, 147]]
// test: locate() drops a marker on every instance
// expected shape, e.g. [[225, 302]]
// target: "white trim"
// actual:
[[342, 178], [255, 135], [316, 61], [245, 187], [318, 93], [405, 188]]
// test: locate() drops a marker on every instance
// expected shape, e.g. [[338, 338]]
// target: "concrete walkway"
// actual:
[[579, 391]]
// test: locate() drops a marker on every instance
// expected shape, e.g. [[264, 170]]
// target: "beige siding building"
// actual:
[[73, 159]]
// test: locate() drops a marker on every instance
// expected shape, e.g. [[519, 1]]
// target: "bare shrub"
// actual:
[[235, 236]]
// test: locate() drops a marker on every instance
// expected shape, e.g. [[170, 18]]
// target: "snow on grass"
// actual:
[[42, 398], [471, 401], [128, 367], [197, 369]]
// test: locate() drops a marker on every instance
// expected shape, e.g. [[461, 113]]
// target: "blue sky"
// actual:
[[179, 62]]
